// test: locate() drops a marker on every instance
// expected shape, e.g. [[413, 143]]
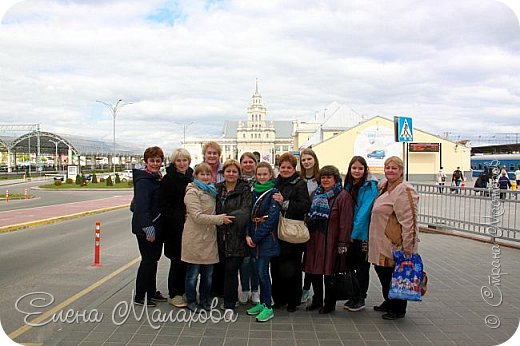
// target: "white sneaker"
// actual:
[[229, 315], [306, 294], [243, 296], [255, 297]]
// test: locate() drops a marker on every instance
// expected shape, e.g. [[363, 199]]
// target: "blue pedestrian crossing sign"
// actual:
[[403, 129]]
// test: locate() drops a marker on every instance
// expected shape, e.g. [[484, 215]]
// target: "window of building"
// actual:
[[512, 167]]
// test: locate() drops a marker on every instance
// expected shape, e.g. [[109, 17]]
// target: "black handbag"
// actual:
[[345, 282]]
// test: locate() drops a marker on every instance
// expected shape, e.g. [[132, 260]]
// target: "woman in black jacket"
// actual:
[[234, 199], [146, 225], [286, 269], [173, 188]]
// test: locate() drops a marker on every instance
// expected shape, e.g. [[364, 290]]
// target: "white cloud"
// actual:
[[182, 61]]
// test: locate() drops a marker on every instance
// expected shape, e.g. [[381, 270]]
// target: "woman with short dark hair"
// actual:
[[330, 225], [146, 225], [286, 269]]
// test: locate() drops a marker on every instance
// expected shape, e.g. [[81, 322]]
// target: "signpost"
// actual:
[[403, 131]]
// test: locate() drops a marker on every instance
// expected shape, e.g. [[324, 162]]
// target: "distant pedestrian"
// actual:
[[146, 225], [456, 179], [517, 177], [503, 183], [441, 179]]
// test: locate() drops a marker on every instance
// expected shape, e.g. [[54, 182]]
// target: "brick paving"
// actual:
[[452, 313]]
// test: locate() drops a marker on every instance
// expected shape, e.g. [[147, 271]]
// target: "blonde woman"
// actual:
[[393, 226], [173, 210]]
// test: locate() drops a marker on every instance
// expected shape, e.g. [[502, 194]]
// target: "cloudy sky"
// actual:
[[451, 65]]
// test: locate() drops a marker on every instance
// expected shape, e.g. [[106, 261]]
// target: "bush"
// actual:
[[69, 181], [83, 180], [94, 178], [78, 179], [118, 180], [57, 182], [101, 180], [109, 181], [130, 183]]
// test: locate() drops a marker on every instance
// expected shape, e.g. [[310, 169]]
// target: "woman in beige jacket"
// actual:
[[393, 226], [199, 238]]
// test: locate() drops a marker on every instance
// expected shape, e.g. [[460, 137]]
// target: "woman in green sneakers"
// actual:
[[262, 237]]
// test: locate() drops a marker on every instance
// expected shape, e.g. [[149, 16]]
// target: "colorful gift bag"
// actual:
[[407, 277]]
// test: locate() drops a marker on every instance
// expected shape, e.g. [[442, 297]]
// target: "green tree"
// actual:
[[109, 181], [118, 180], [94, 178], [78, 179]]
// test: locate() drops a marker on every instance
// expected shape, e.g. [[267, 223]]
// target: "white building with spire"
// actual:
[[268, 137]]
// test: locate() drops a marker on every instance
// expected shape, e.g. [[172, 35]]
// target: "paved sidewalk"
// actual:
[[457, 310], [21, 218]]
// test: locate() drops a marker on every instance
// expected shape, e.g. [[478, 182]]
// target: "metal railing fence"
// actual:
[[479, 211]]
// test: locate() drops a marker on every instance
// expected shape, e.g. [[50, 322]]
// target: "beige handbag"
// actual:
[[292, 231]]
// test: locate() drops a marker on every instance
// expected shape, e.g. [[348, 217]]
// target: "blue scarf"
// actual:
[[208, 188], [320, 208]]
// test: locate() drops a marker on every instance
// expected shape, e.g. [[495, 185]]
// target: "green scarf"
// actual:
[[261, 188]]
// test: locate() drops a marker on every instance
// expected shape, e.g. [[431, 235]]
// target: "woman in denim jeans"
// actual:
[[199, 239], [248, 272], [262, 236]]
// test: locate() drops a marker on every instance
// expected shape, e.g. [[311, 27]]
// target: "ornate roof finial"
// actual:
[[256, 86]]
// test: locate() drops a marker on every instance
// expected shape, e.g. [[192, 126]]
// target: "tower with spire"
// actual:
[[256, 134]]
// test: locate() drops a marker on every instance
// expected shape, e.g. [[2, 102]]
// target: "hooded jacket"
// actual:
[[146, 206]]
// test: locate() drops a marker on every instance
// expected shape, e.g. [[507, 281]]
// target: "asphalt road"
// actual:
[[57, 259]]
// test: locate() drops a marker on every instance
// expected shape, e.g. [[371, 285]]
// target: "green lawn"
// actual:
[[88, 186], [14, 196]]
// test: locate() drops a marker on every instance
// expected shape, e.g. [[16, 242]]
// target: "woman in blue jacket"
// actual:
[[262, 236], [364, 192]]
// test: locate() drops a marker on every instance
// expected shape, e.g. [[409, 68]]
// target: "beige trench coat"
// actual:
[[393, 225], [199, 238]]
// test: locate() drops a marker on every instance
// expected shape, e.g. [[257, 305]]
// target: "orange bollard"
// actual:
[[97, 262], [6, 196], [25, 195]]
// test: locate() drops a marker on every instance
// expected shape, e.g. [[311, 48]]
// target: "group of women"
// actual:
[[220, 221]]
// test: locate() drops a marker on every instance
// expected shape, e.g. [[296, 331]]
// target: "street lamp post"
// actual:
[[113, 109], [184, 127], [56, 156]]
